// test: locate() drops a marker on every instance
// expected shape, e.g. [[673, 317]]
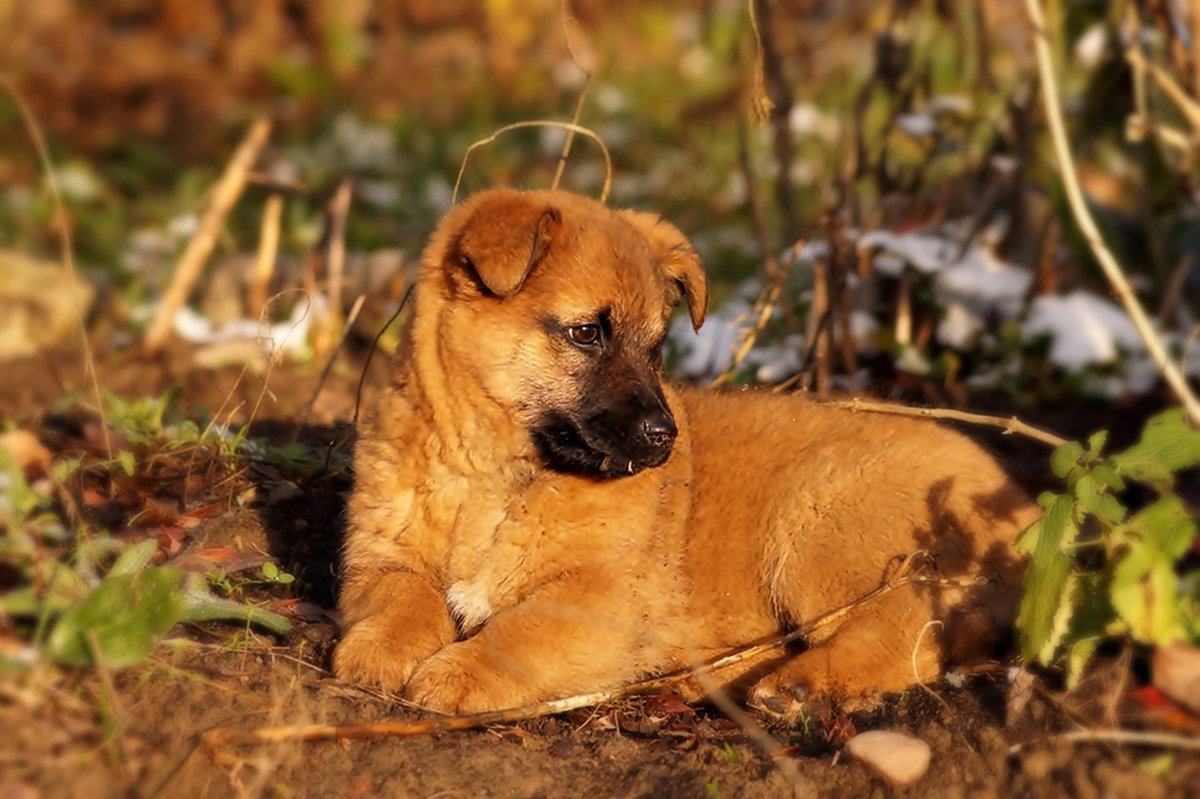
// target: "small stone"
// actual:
[[1176, 670], [899, 759]]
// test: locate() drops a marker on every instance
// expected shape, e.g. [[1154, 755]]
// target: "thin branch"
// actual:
[[200, 246], [539, 123], [1009, 425], [1087, 226]]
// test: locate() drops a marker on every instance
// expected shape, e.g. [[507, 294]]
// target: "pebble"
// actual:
[[899, 759]]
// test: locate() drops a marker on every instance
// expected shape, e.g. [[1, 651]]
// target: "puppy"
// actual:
[[535, 514]]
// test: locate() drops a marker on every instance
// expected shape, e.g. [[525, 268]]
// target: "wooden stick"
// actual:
[[200, 246], [268, 251], [1009, 425], [1087, 226]]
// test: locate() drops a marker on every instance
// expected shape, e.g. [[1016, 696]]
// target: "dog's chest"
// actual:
[[495, 556]]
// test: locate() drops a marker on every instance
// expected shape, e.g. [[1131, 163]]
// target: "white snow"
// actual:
[[1086, 329]]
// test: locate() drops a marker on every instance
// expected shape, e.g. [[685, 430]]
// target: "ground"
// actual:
[[139, 731]]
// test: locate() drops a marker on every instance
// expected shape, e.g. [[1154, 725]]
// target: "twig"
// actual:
[[268, 250], [1009, 425], [1132, 737], [68, 254], [200, 246], [565, 18], [362, 378], [539, 123], [905, 573], [312, 400], [1087, 226]]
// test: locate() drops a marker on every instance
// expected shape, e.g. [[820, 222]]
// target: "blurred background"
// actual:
[[870, 184]]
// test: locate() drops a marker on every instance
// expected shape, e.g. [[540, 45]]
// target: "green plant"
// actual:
[[1097, 569]]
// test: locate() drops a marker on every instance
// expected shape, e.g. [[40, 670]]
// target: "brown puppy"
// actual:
[[536, 515]]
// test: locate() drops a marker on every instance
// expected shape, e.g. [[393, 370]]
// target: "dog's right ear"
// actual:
[[504, 238]]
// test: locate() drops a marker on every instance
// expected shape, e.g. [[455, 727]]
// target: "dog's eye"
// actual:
[[587, 336]]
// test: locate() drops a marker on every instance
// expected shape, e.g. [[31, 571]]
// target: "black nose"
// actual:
[[659, 429]]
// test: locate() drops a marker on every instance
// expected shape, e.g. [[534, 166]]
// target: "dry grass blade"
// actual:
[[539, 123], [566, 19], [1087, 225], [312, 400], [906, 572], [200, 246], [1009, 425], [68, 252]]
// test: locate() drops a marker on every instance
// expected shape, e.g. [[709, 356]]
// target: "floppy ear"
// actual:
[[504, 238], [679, 261]]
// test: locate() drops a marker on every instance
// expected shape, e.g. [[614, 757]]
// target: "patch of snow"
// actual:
[[959, 326], [917, 125], [988, 281], [927, 252], [696, 62], [1085, 329], [610, 99], [957, 104], [806, 119], [289, 337], [1090, 47]]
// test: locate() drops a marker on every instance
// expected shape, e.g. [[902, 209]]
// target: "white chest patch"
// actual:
[[468, 601]]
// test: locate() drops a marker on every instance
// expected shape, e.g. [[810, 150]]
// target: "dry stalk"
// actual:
[[1009, 425], [920, 683], [1087, 226], [763, 307], [312, 400], [67, 251], [339, 209], [200, 246], [906, 572], [539, 123], [362, 377], [566, 19], [268, 250]]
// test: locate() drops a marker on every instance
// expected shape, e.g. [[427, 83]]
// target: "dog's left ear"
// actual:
[[679, 261], [504, 239]]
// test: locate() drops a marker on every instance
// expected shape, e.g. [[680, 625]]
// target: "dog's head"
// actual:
[[554, 308]]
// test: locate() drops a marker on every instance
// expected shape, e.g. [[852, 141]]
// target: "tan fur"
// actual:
[[475, 578]]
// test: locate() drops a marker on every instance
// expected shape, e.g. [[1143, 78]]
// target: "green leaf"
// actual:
[[1047, 595], [1145, 595], [135, 558], [121, 621], [1066, 458], [270, 570], [1096, 443], [127, 461], [1094, 498], [1168, 444], [1106, 475], [1169, 524]]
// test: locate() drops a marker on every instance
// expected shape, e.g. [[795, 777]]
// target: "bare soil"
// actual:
[[137, 732]]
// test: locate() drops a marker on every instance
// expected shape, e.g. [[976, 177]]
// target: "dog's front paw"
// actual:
[[370, 656], [461, 679]]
